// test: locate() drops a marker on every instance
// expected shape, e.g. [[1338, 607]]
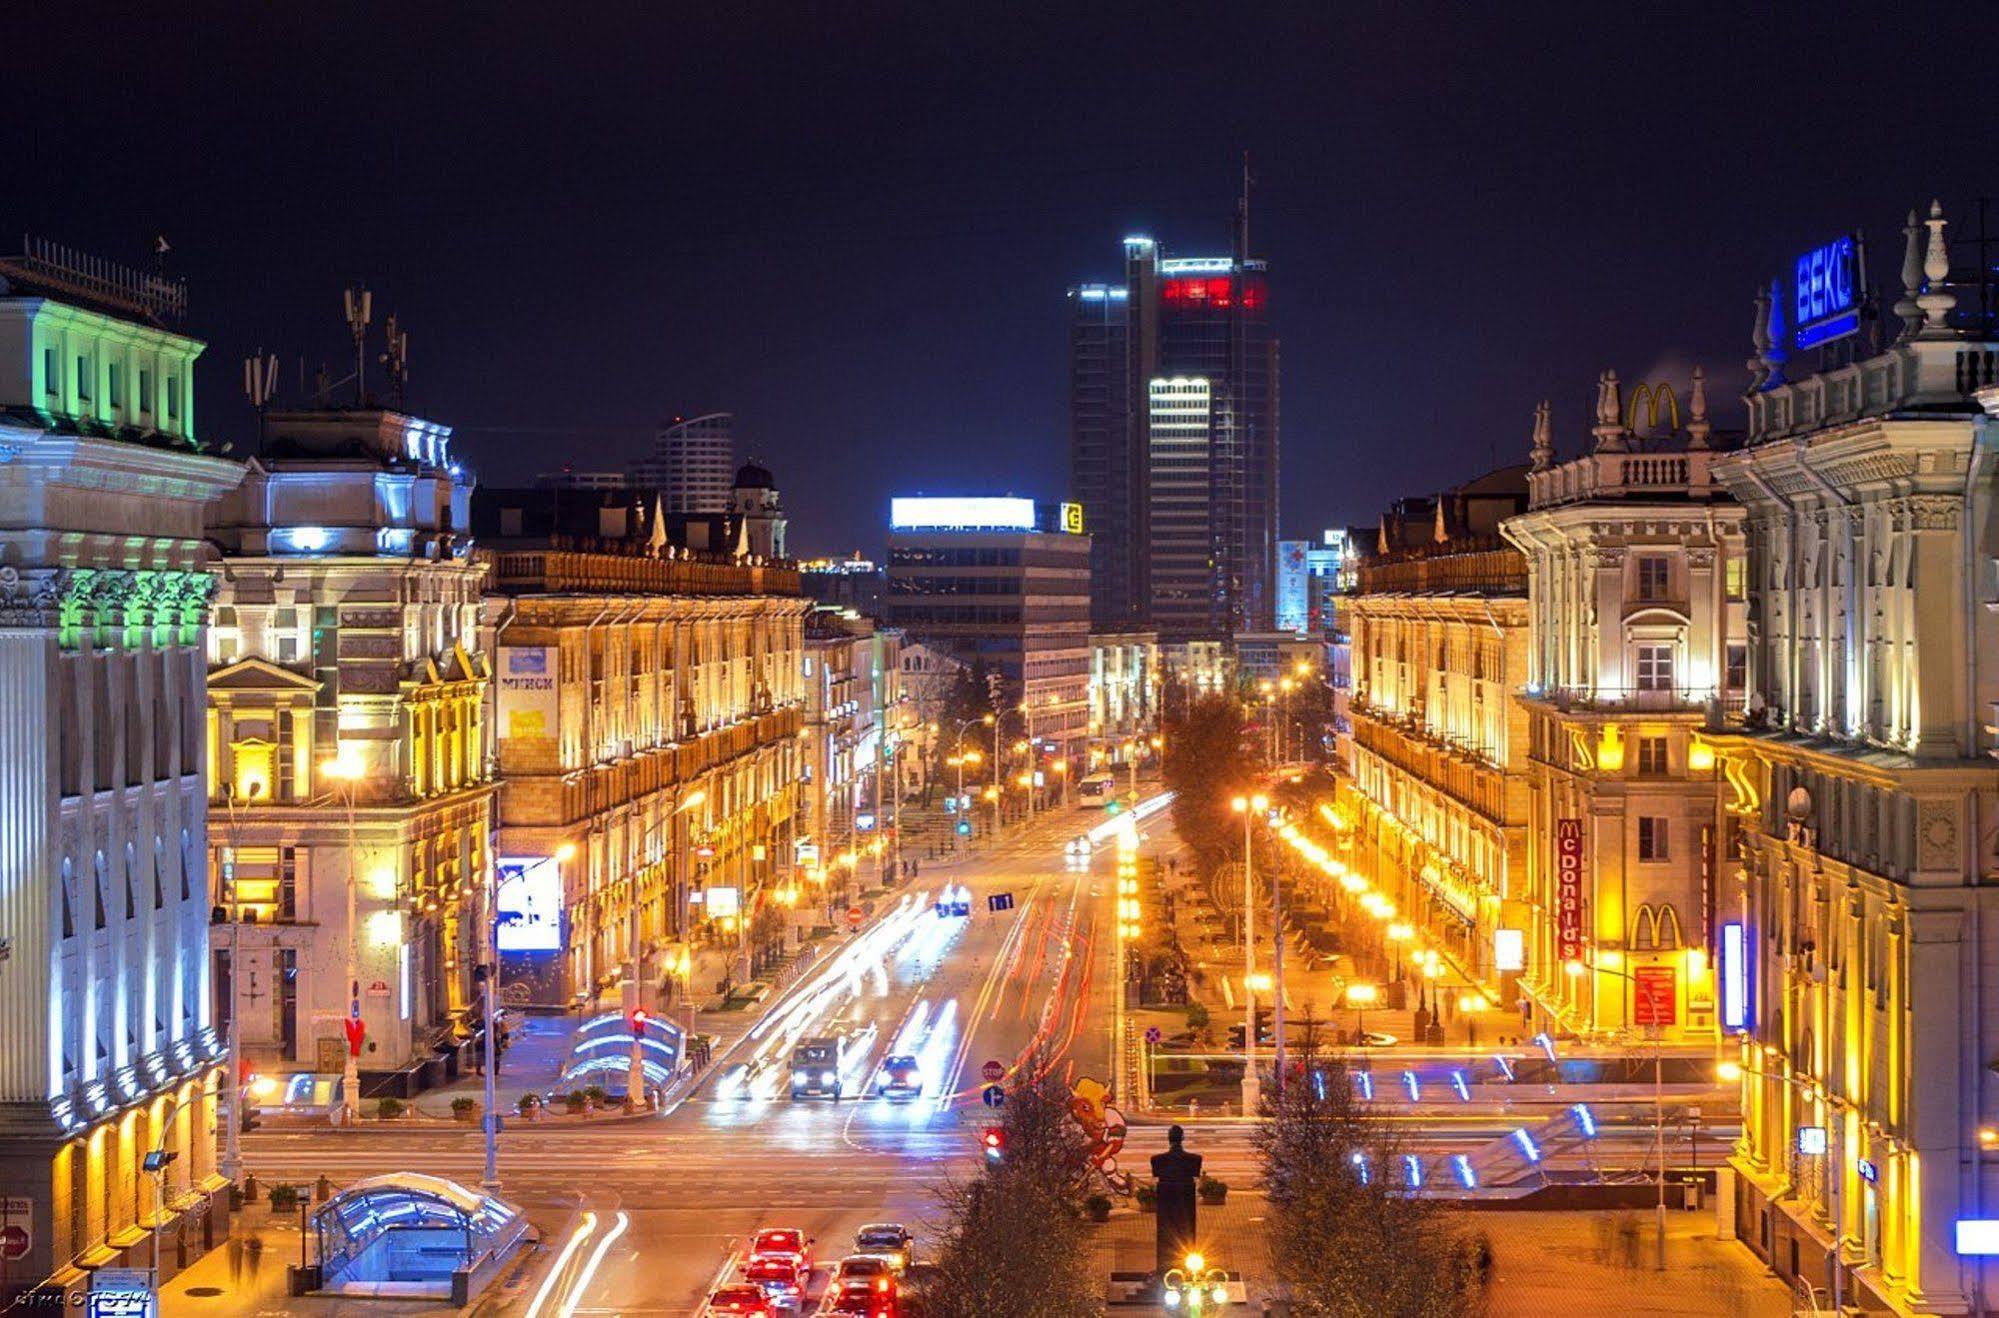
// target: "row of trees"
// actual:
[[1206, 767]]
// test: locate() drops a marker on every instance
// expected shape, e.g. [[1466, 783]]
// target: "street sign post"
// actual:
[[855, 917], [1000, 901], [993, 1096], [992, 1072], [1152, 1034], [17, 1234]]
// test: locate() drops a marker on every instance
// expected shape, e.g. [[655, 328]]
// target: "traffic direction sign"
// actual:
[[993, 1095], [992, 1071], [855, 916]]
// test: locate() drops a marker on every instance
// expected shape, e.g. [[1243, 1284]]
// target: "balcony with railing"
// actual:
[[1600, 476], [1468, 565]]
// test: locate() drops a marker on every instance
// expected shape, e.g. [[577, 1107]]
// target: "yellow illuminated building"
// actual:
[[1859, 817], [347, 628], [1435, 793], [1634, 554]]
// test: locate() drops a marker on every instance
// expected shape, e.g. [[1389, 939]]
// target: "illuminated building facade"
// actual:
[[648, 708], [347, 638], [1437, 792], [1173, 442], [1859, 919], [1635, 577], [1001, 579], [855, 710], [107, 1048], [1125, 681]]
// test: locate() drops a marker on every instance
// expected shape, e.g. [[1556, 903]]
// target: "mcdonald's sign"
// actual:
[[1652, 395], [1568, 889]]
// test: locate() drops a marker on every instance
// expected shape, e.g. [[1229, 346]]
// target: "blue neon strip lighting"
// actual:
[[1527, 1145], [1465, 1173], [1734, 958], [1825, 331], [1585, 1120]]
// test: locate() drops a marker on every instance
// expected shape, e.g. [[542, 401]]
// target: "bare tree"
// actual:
[[1346, 1237], [1013, 1241]]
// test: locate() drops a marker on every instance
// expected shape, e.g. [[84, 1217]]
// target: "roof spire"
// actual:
[[1543, 451], [1609, 429], [1698, 427], [1912, 276], [1936, 299], [658, 541], [1438, 533], [1381, 536]]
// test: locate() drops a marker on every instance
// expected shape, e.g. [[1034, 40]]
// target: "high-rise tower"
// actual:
[[1174, 441], [692, 463]]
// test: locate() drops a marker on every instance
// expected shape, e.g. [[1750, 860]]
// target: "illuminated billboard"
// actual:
[[922, 513], [529, 904]]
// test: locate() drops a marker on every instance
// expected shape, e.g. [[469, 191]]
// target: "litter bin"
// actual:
[[1690, 1192]]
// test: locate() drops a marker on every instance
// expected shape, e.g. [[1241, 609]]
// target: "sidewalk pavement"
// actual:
[[1544, 1262], [245, 1281]]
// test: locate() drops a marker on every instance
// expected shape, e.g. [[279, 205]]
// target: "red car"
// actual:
[[862, 1302], [786, 1243], [780, 1279], [737, 1302]]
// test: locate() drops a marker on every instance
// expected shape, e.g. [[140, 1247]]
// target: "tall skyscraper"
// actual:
[[693, 463], [1174, 441]]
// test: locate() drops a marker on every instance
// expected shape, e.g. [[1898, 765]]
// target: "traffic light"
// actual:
[[636, 1018], [995, 1143]]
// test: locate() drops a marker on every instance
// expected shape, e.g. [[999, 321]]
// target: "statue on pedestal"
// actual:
[[1177, 1172]]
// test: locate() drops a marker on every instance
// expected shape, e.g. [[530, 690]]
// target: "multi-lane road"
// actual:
[[689, 1187], [645, 1215]]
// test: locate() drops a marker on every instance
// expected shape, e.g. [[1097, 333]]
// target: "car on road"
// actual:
[[738, 1301], [780, 1279], [817, 1066], [886, 1240], [900, 1077], [784, 1244], [860, 1303], [868, 1272]]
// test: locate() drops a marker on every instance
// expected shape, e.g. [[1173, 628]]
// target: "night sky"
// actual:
[[856, 232]]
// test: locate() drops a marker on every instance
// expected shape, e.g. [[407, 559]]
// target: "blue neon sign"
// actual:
[[1825, 288]]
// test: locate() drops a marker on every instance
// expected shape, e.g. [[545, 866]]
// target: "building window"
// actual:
[[145, 391], [51, 372], [1735, 671], [1655, 666], [1735, 576], [1651, 838], [1652, 757], [83, 379], [1654, 572], [113, 379], [173, 398]]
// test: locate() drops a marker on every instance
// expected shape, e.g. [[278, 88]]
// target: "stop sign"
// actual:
[[992, 1071], [14, 1242], [855, 915]]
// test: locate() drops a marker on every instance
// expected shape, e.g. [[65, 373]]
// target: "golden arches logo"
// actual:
[[1652, 395]]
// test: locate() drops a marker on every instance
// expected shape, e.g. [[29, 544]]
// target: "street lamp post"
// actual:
[[156, 1161], [232, 1147], [1360, 997], [1249, 807], [348, 772]]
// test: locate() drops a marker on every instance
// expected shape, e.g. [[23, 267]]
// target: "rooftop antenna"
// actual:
[[396, 356], [360, 305], [260, 385]]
